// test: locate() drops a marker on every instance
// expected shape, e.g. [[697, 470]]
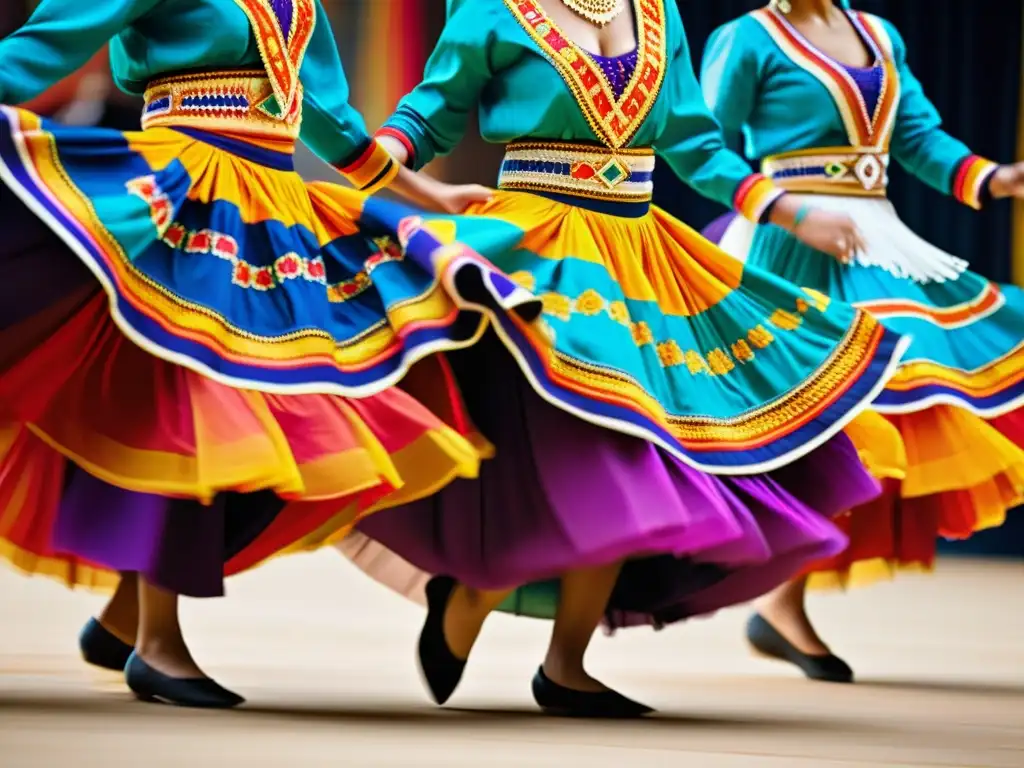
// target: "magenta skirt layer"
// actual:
[[564, 494]]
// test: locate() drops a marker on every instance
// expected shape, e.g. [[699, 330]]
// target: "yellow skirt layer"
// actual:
[[961, 475]]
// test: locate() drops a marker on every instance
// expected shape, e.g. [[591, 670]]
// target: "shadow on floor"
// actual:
[[122, 706], [966, 687]]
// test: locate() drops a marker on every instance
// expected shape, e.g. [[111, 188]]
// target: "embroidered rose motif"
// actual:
[[315, 270], [618, 312], [669, 353], [741, 351], [224, 247], [787, 321], [348, 289], [175, 235], [557, 305], [242, 275], [589, 303], [288, 267], [160, 210], [198, 242], [695, 363], [263, 279], [642, 334], [760, 337], [719, 362]]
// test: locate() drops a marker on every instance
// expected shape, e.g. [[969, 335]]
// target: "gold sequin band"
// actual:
[[240, 102], [830, 171], [579, 170]]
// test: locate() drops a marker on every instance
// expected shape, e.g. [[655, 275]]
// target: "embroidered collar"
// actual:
[[613, 120], [864, 130], [281, 50]]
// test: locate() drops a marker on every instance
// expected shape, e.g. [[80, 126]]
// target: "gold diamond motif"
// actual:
[[613, 173]]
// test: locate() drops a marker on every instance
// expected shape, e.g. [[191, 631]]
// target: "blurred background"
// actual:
[[968, 55]]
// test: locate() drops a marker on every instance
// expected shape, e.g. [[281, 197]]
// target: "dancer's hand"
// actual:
[[833, 233], [1008, 181], [428, 192], [456, 198]]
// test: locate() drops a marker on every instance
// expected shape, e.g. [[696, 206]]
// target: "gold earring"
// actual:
[[783, 6]]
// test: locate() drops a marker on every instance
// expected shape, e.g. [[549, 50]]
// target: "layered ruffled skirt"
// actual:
[[190, 334], [679, 412], [954, 400]]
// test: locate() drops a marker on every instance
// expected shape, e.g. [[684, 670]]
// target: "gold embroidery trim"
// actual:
[[613, 121]]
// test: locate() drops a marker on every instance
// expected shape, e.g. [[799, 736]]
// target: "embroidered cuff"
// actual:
[[755, 196], [404, 140], [372, 168], [970, 184]]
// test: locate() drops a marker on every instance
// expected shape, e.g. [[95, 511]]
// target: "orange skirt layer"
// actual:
[[74, 388], [963, 473]]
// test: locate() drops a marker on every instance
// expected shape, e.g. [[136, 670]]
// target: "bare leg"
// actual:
[[120, 616], [464, 617], [584, 598], [160, 643], [784, 608]]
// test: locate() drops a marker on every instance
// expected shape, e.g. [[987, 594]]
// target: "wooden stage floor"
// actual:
[[325, 658]]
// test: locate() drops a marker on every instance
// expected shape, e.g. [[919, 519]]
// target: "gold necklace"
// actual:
[[783, 6], [599, 12]]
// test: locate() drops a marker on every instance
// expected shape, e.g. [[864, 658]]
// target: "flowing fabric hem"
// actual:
[[324, 524], [71, 574], [874, 353], [935, 387], [957, 496], [590, 408], [19, 174], [865, 573], [879, 445]]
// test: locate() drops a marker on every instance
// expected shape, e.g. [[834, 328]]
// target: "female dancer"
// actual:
[[645, 422], [185, 325], [824, 94]]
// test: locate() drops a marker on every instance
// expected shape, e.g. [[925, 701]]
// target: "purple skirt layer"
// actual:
[[564, 494], [177, 544], [715, 231]]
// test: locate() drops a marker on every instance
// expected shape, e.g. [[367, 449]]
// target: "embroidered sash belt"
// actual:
[[238, 102], [581, 172], [830, 171]]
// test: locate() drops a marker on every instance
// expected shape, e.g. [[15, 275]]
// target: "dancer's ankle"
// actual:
[[787, 613], [170, 656], [567, 670], [463, 619], [120, 616]]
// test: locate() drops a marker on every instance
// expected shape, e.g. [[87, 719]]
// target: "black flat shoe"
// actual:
[[555, 699], [441, 669], [768, 641], [102, 648], [151, 685]]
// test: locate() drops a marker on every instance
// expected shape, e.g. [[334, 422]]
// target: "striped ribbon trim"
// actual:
[[755, 195], [971, 177]]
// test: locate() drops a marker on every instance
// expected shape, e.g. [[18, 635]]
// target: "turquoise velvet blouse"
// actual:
[[503, 57], [761, 77], [151, 38]]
